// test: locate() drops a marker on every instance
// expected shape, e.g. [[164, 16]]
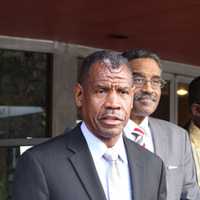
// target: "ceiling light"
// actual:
[[182, 92]]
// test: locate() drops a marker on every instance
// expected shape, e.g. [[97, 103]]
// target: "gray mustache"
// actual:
[[138, 97], [112, 113]]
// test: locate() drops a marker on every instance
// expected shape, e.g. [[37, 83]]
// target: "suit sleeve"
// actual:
[[29, 180], [191, 190], [162, 192]]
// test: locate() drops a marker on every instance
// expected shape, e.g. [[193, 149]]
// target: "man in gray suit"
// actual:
[[165, 139], [76, 165]]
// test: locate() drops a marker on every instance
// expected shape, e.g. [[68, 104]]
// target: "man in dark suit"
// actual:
[[75, 166], [167, 140]]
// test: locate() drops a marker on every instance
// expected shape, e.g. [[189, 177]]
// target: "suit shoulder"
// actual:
[[53, 146], [165, 124]]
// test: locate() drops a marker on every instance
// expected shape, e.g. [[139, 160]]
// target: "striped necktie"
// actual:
[[138, 134]]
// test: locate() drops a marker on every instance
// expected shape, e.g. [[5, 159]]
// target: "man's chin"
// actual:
[[111, 132], [143, 113], [144, 109], [147, 103]]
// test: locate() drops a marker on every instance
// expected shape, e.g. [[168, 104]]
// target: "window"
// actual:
[[26, 101], [25, 106]]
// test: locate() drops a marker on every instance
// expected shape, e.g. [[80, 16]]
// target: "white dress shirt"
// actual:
[[98, 149], [144, 125]]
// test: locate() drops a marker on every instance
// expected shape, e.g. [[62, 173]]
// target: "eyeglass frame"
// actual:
[[153, 82]]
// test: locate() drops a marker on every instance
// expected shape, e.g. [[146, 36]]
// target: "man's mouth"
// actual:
[[111, 120], [145, 99]]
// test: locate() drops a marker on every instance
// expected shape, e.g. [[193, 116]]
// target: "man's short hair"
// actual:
[[141, 53], [194, 91], [108, 58]]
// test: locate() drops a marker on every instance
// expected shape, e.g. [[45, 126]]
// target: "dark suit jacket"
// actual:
[[63, 169]]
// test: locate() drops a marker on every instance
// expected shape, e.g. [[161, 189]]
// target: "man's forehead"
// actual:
[[144, 61], [146, 67], [112, 81], [103, 75], [147, 74], [106, 80], [100, 68]]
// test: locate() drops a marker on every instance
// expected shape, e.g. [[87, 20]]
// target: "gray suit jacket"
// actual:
[[63, 169], [172, 144]]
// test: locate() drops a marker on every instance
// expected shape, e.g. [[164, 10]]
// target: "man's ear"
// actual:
[[78, 95]]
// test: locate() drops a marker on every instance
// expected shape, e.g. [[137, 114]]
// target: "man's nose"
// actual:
[[113, 100], [147, 86]]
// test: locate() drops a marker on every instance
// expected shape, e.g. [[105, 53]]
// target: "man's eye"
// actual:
[[156, 82], [101, 91], [124, 92], [138, 80]]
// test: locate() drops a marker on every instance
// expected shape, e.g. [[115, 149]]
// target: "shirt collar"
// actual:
[[130, 126], [144, 124], [98, 148]]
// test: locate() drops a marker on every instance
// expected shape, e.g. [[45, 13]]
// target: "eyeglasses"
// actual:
[[155, 82]]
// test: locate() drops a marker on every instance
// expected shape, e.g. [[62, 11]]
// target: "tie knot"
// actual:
[[111, 155]]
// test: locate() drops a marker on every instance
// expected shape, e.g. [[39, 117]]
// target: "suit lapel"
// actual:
[[137, 172], [83, 164], [159, 138]]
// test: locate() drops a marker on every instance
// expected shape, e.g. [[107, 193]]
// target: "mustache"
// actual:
[[146, 95], [112, 113]]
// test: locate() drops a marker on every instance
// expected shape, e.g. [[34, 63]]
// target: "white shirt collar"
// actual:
[[98, 148], [147, 132], [144, 124], [130, 126]]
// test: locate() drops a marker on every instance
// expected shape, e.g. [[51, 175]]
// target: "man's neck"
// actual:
[[137, 119]]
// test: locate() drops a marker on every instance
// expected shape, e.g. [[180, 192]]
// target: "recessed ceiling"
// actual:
[[170, 28]]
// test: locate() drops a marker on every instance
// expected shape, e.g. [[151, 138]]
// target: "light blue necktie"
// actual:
[[113, 176]]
